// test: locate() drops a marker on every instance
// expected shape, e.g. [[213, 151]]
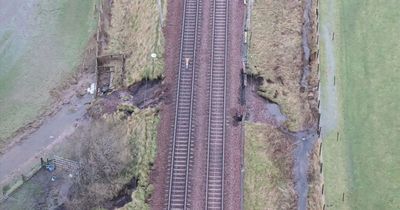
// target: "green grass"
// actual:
[[36, 53], [364, 163]]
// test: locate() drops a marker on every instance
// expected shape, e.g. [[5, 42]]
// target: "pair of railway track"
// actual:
[[181, 155]]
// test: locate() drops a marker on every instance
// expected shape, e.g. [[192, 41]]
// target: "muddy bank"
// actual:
[[144, 94]]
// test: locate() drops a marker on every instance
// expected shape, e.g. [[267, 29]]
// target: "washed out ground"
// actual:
[[288, 109], [129, 147], [361, 162]]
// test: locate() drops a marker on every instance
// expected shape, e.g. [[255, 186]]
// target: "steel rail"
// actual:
[[182, 131], [216, 133]]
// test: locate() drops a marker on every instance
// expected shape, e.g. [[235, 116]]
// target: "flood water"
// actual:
[[41, 43], [52, 129]]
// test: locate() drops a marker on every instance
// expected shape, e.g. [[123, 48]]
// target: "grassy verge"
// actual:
[[136, 32], [268, 172], [36, 54], [363, 163], [276, 55]]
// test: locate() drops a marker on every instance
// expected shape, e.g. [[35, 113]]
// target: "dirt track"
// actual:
[[172, 34]]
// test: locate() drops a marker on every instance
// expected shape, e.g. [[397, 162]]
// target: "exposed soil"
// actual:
[[141, 95], [235, 134]]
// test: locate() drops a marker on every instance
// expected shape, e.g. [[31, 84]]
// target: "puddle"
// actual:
[[274, 112], [49, 132]]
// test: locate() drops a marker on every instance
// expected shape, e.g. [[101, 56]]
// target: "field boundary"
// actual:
[[319, 141]]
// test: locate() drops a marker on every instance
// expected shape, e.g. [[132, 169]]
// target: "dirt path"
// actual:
[[235, 131]]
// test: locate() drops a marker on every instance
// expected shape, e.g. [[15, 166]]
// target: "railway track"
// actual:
[[181, 155], [217, 107]]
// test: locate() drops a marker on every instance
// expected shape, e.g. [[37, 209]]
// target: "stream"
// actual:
[[306, 139]]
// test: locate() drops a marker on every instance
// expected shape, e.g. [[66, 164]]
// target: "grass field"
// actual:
[[40, 44], [361, 169]]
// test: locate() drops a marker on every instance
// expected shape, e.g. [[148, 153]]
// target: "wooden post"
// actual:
[[320, 149], [322, 191], [320, 169]]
